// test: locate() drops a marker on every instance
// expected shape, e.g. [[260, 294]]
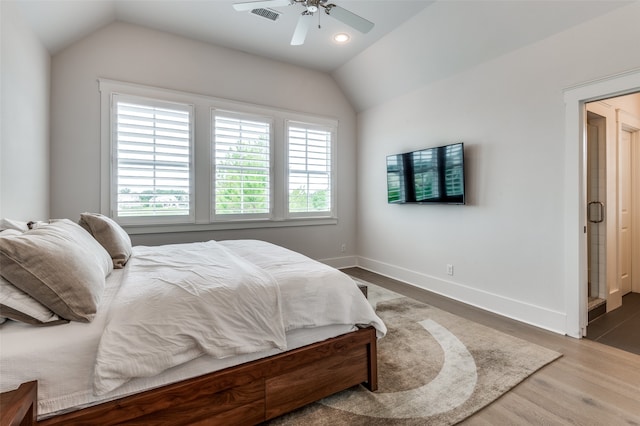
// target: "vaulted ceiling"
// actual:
[[59, 23], [413, 42]]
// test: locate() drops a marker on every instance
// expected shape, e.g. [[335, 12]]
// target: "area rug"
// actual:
[[434, 368]]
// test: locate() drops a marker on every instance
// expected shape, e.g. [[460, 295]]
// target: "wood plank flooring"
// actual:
[[592, 384]]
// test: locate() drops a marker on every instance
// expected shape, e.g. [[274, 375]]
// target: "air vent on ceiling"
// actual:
[[266, 13]]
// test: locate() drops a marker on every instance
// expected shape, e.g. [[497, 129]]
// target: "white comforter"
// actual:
[[178, 302]]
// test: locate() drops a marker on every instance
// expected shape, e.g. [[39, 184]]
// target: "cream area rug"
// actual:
[[434, 368]]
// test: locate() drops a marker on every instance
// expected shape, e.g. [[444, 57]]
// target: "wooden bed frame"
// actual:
[[246, 394]]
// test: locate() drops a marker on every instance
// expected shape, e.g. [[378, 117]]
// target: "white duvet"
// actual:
[[178, 302]]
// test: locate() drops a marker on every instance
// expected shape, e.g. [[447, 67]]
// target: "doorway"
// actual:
[[612, 162], [575, 205]]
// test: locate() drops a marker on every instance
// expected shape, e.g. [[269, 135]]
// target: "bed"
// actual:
[[311, 333]]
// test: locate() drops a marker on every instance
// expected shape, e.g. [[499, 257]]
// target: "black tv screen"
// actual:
[[432, 175]]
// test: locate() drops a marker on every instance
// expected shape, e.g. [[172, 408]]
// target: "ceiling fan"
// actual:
[[310, 7]]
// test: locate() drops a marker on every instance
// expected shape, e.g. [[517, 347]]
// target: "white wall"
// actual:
[[135, 54], [507, 243], [24, 120]]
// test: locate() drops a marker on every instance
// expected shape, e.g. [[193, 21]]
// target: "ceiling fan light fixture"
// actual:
[[262, 8], [341, 38]]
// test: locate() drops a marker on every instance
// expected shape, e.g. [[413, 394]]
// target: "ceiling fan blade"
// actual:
[[302, 28], [349, 18], [250, 5]]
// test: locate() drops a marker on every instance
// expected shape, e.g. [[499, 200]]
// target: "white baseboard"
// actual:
[[510, 308], [341, 262]]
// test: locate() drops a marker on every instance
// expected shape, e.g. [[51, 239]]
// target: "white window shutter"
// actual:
[[309, 169], [152, 161], [242, 162]]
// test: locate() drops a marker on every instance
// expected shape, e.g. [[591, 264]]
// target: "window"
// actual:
[[174, 161], [310, 179], [152, 160], [242, 159]]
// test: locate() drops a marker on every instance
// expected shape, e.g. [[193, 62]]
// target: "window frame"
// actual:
[[203, 171]]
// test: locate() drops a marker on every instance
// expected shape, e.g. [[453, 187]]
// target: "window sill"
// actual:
[[224, 226]]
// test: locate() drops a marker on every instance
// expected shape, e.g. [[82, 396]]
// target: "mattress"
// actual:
[[62, 358]]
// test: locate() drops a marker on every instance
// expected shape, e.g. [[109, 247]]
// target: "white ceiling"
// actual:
[[59, 23]]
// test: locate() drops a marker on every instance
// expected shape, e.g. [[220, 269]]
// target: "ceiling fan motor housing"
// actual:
[[313, 5]]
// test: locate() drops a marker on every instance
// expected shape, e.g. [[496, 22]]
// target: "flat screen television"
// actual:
[[431, 175]]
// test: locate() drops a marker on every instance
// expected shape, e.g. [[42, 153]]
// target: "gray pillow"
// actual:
[[60, 265], [110, 235]]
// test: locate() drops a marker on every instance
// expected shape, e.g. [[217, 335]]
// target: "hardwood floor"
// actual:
[[592, 384]]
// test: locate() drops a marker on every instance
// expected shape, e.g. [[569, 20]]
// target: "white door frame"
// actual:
[[575, 241]]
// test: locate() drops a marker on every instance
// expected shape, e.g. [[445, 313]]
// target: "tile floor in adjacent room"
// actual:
[[619, 328]]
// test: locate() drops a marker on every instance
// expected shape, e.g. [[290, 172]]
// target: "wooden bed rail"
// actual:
[[246, 394], [18, 407]]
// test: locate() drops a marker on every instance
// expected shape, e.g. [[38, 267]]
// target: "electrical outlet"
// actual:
[[343, 248], [449, 269]]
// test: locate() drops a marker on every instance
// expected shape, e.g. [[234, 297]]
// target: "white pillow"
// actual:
[[17, 305], [13, 224]]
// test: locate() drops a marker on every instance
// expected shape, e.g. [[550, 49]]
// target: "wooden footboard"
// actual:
[[18, 407], [245, 394]]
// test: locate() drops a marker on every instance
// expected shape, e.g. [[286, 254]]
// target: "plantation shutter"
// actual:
[[242, 150], [309, 177], [153, 161]]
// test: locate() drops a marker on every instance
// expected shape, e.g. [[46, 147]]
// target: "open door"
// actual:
[[628, 203], [602, 215], [595, 209]]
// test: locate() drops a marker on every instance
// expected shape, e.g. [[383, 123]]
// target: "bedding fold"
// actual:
[[313, 294]]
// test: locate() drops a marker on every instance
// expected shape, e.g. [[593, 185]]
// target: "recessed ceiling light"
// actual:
[[341, 38]]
